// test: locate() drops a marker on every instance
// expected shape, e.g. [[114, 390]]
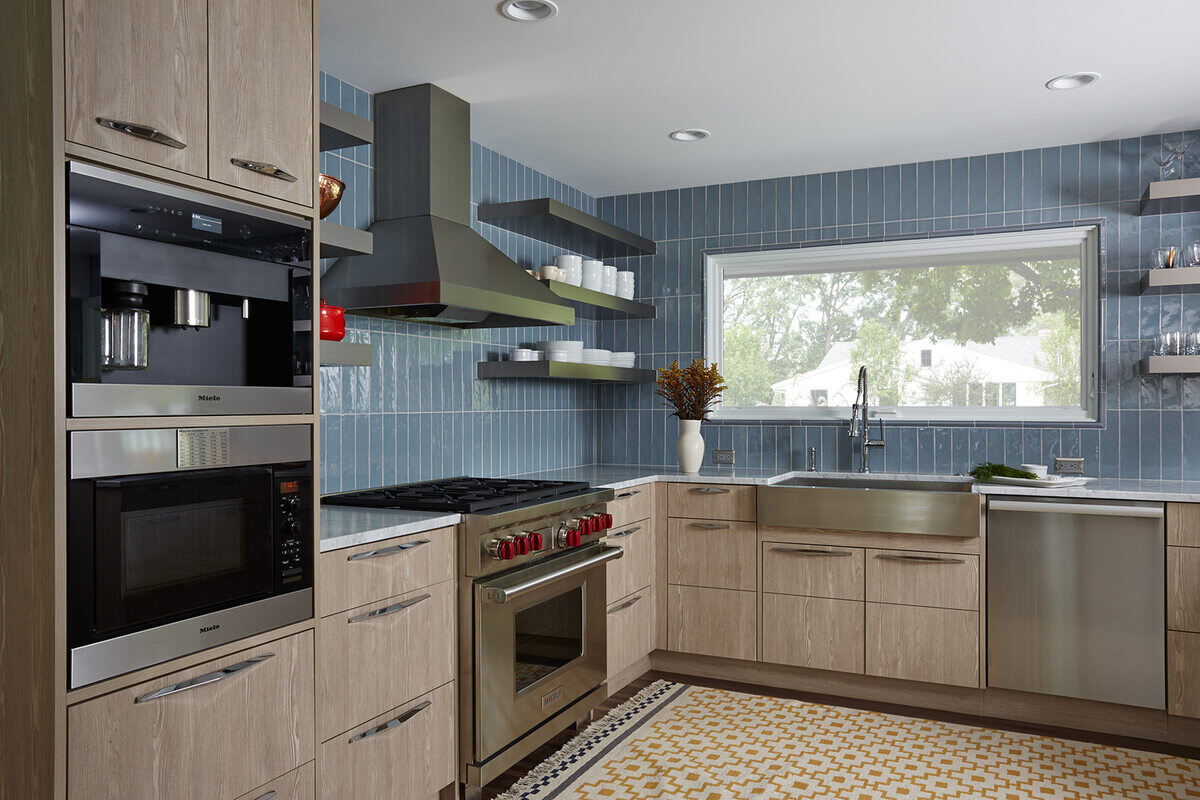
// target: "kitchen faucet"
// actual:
[[859, 430]]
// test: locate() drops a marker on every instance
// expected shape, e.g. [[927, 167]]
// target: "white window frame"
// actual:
[[834, 258]]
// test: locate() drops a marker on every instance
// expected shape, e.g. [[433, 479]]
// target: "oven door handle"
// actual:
[[502, 594]]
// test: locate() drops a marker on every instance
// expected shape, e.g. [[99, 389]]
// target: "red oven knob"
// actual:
[[521, 544], [501, 549], [590, 525], [535, 542], [569, 538], [608, 521]]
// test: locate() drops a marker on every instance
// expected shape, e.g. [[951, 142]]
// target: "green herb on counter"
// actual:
[[986, 471]]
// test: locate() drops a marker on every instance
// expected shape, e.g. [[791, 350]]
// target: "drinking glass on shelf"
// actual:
[[1167, 344], [1170, 159], [1165, 257], [1193, 254], [1191, 344]]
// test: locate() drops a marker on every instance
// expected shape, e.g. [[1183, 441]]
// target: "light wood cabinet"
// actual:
[[144, 63], [712, 501], [260, 61], [907, 577], [249, 720], [377, 656], [1183, 588], [711, 622], [630, 631], [355, 576], [935, 645], [1183, 524], [407, 752], [299, 784], [631, 505], [816, 632], [1183, 673], [813, 570], [712, 553], [635, 568]]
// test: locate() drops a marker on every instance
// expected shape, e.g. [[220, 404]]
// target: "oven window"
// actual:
[[548, 636], [161, 548]]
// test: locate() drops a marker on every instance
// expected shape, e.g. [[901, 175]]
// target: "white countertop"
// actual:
[[344, 526]]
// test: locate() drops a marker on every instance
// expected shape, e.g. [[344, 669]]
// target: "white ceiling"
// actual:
[[787, 87]]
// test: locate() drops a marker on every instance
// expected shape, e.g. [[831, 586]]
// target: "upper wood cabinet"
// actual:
[[261, 96], [141, 66]]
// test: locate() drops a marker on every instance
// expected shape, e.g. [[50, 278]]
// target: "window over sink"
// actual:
[[988, 327]]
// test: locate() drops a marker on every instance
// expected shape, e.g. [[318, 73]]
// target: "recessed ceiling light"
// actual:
[[1073, 80], [689, 134], [528, 10]]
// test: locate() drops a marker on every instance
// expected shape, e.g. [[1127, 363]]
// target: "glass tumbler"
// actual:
[[1193, 254], [1165, 257]]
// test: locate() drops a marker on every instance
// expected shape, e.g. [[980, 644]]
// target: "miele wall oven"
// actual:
[[183, 539]]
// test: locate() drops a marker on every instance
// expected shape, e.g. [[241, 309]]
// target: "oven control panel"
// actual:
[[536, 539]]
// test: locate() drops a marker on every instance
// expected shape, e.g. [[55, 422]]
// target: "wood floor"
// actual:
[[506, 780]]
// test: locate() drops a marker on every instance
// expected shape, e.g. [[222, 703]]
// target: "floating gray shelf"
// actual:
[[1176, 279], [1171, 197], [346, 354], [567, 370], [559, 224], [338, 241], [341, 129], [1171, 365], [591, 304]]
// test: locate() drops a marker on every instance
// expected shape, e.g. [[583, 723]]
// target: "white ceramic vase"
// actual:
[[690, 447]]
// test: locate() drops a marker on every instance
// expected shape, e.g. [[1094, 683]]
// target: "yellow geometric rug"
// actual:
[[679, 741]]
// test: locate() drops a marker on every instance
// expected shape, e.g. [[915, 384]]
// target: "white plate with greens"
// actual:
[[1041, 483]]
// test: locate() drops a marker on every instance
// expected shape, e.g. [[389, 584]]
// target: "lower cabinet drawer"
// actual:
[[1183, 674], [212, 732], [711, 622], [712, 553], [907, 577], [630, 505], [636, 567], [812, 570], [711, 501], [630, 630], [1183, 588], [299, 784], [816, 632], [377, 656], [406, 753], [935, 645]]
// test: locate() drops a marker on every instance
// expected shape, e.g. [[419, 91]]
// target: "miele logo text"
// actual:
[[208, 628], [211, 398]]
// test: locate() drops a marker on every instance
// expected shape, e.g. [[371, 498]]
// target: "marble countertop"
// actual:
[[346, 526]]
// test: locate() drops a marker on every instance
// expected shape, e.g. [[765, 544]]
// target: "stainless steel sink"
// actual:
[[872, 504]]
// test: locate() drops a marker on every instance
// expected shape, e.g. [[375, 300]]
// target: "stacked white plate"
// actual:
[[524, 354], [561, 350], [623, 358], [601, 358]]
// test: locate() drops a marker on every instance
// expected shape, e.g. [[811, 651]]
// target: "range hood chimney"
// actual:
[[428, 265]]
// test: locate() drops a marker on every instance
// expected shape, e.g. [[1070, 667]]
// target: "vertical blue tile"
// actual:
[[1013, 176], [925, 189], [908, 191], [995, 183]]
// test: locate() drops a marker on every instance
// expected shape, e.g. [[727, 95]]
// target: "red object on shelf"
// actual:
[[333, 323], [535, 542]]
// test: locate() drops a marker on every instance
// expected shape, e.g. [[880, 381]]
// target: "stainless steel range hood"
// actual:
[[428, 265]]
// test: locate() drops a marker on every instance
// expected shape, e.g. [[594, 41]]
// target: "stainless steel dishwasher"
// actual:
[[1076, 599]]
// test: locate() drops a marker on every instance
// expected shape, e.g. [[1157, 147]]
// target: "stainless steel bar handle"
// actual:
[[386, 610], [811, 551], [204, 680], [626, 532], [1077, 508], [147, 132], [711, 526], [502, 594], [624, 605], [387, 551], [920, 559], [391, 723], [709, 490], [264, 168], [630, 493], [267, 796]]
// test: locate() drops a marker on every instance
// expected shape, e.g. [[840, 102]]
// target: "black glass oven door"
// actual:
[[170, 546]]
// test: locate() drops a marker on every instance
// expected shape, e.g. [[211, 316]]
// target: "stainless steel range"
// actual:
[[532, 630]]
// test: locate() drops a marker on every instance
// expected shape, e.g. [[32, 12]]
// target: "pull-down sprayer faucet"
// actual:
[[859, 430]]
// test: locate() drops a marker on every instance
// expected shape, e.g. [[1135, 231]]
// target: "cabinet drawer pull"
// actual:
[[710, 490], [920, 559], [263, 168], [391, 723], [811, 551], [203, 680], [625, 532], [711, 526], [386, 610], [267, 796], [630, 493], [387, 551], [624, 605], [147, 132]]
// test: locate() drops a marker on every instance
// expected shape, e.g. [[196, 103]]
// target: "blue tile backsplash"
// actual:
[[419, 412]]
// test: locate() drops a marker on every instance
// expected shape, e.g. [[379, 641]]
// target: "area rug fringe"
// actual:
[[602, 727]]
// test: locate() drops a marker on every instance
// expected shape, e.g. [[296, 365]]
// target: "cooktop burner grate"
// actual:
[[461, 495]]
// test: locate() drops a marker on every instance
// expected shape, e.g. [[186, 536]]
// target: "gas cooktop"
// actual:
[[461, 495]]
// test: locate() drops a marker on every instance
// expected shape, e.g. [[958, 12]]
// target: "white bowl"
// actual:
[[560, 344], [524, 354], [559, 355]]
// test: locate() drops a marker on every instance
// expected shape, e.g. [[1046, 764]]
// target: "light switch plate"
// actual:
[[722, 456], [1068, 466]]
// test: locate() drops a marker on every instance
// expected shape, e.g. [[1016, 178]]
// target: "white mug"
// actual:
[[625, 284], [1037, 469]]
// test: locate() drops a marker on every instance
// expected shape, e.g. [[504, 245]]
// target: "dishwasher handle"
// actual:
[[1088, 509]]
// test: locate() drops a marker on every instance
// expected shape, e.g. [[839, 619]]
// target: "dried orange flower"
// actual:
[[691, 391]]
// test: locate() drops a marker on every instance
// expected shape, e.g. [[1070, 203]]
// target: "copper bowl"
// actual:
[[331, 190]]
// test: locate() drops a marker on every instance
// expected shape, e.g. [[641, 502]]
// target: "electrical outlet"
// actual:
[[722, 456], [1068, 466]]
